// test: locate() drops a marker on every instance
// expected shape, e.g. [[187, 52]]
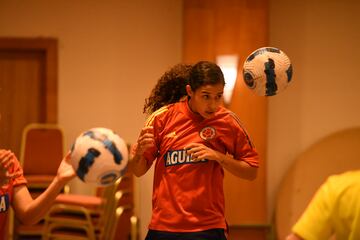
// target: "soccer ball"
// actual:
[[267, 71], [99, 156]]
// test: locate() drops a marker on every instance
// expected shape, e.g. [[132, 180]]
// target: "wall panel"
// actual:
[[215, 27]]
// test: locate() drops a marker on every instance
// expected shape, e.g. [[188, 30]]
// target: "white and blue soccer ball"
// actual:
[[99, 156], [267, 71]]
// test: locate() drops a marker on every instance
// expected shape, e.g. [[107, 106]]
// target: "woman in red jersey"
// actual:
[[13, 191], [191, 138]]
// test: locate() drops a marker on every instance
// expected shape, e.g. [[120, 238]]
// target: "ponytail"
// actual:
[[170, 88]]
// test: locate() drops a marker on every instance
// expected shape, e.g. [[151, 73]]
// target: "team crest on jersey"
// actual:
[[4, 202], [207, 133]]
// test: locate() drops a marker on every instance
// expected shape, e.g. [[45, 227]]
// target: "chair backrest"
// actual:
[[109, 195], [123, 226], [93, 213], [120, 227], [42, 149], [334, 154]]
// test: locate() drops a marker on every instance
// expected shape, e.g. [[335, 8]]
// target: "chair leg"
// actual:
[[134, 228]]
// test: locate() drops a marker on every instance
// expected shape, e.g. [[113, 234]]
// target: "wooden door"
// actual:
[[217, 27], [28, 86]]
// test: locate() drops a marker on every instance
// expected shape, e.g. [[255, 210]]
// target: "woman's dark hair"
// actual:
[[171, 86], [205, 73]]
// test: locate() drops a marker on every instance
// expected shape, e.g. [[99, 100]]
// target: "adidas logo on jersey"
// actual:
[[176, 157], [171, 135]]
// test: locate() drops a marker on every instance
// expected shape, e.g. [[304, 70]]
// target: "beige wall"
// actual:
[[322, 39], [110, 55]]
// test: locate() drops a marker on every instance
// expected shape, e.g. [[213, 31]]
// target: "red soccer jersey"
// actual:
[[6, 192], [188, 196]]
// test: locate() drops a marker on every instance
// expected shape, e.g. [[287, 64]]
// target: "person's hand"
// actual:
[[7, 159], [145, 141], [65, 171], [199, 152]]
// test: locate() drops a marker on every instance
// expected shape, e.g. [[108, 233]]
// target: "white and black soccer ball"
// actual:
[[267, 71], [99, 156]]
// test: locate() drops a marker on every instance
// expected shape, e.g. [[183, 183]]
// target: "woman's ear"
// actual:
[[189, 91]]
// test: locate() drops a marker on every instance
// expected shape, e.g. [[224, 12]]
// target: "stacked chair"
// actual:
[[41, 151], [105, 216]]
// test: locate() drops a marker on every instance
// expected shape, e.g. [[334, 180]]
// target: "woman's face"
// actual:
[[206, 100]]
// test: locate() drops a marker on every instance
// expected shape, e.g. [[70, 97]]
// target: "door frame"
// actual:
[[49, 47]]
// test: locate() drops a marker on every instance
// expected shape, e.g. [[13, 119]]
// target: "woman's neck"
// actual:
[[191, 108]]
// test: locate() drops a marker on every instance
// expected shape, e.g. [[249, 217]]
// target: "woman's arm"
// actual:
[[237, 167], [29, 210], [138, 164]]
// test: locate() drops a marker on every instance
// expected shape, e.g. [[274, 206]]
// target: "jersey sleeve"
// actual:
[[315, 222], [154, 121], [244, 148]]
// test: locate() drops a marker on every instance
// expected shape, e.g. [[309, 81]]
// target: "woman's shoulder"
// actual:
[[160, 113], [232, 120], [229, 116]]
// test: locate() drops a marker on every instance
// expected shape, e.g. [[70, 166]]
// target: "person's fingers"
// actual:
[[191, 149], [146, 136], [198, 154], [67, 156], [7, 160], [8, 163], [5, 153], [191, 145], [13, 175], [148, 129], [197, 151], [145, 140]]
